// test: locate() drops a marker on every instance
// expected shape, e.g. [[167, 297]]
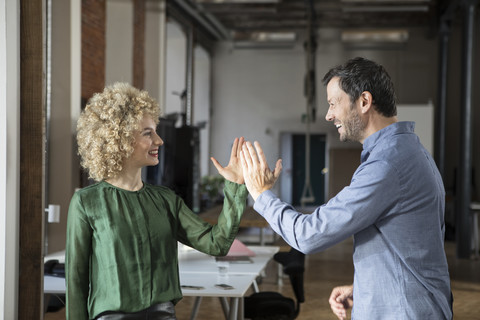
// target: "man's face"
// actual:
[[344, 114]]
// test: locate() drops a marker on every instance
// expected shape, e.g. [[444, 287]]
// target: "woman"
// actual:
[[121, 252]]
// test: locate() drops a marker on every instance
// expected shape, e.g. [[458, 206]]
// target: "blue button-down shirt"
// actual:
[[394, 208]]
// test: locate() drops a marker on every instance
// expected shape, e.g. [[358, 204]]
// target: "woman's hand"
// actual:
[[341, 299], [233, 171], [257, 174]]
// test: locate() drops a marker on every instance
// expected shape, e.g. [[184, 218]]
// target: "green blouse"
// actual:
[[121, 251]]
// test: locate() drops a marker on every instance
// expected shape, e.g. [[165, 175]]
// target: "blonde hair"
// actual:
[[105, 129]]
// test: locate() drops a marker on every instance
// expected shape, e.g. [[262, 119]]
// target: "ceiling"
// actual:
[[240, 19]]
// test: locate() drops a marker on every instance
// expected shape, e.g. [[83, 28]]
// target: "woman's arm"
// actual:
[[77, 261], [217, 239]]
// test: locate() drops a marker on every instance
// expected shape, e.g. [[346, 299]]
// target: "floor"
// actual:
[[334, 267]]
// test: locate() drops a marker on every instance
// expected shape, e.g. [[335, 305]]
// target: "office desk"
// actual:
[[190, 260], [193, 263], [53, 285], [199, 269], [209, 283]]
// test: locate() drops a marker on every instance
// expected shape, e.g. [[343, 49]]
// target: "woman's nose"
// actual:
[[158, 140]]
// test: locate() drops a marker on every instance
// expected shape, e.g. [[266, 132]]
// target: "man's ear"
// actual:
[[366, 100]]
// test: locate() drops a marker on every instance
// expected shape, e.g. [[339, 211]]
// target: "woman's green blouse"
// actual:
[[121, 251]]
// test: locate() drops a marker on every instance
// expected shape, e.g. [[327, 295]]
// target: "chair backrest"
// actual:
[[293, 263]]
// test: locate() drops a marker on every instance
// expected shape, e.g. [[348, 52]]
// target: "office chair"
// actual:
[[270, 305]]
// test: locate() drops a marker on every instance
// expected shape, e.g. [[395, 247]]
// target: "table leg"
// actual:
[[241, 307], [196, 306], [232, 315], [279, 275], [475, 233], [225, 307], [255, 286]]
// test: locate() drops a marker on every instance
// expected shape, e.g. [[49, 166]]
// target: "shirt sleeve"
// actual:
[[77, 261], [214, 239], [374, 191]]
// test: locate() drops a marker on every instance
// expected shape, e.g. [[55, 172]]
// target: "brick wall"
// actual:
[[94, 43], [93, 47]]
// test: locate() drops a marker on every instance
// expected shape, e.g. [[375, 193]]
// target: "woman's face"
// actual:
[[147, 142]]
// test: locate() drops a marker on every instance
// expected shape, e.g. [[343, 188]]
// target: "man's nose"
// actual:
[[329, 116]]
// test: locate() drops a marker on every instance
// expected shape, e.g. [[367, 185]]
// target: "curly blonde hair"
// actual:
[[105, 129]]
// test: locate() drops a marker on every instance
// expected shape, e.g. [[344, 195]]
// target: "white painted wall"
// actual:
[[119, 41], [155, 52], [9, 156], [422, 115], [176, 63], [63, 163], [202, 105], [259, 93]]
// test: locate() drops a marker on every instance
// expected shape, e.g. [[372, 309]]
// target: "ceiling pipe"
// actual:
[[464, 172], [206, 20], [441, 111]]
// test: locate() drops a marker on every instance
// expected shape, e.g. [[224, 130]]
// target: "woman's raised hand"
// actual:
[[233, 171]]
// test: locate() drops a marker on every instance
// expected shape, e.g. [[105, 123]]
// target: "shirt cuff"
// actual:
[[240, 190], [262, 201]]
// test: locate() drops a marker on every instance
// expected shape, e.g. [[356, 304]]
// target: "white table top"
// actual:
[[60, 256], [53, 285], [197, 269], [239, 284], [193, 261], [207, 282]]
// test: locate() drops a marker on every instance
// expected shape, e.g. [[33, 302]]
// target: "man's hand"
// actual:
[[257, 174], [341, 299], [233, 171]]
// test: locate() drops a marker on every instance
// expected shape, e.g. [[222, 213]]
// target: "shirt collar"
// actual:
[[393, 129]]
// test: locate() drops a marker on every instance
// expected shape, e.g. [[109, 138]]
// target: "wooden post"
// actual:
[[32, 154]]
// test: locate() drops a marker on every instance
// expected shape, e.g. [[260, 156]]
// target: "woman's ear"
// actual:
[[366, 100]]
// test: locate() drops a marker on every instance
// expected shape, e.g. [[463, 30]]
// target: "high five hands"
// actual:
[[258, 176], [233, 171]]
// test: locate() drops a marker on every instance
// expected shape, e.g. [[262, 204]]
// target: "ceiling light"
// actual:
[[385, 1], [238, 1], [266, 36], [375, 36], [398, 8], [265, 40]]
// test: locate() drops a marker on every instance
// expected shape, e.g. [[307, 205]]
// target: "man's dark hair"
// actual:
[[358, 75]]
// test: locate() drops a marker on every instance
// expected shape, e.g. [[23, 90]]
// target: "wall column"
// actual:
[[464, 175]]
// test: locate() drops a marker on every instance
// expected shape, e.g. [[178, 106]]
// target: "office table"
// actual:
[[233, 286], [200, 265], [200, 270], [190, 260]]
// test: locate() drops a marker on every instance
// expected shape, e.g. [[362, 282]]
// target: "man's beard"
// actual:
[[353, 127]]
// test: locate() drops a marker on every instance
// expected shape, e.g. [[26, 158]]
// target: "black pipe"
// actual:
[[440, 114], [464, 194]]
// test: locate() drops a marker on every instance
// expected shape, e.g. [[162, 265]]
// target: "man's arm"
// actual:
[[355, 208]]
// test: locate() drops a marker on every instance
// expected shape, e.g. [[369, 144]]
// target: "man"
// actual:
[[394, 205]]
